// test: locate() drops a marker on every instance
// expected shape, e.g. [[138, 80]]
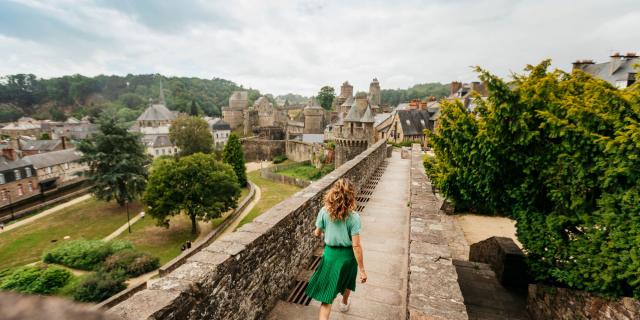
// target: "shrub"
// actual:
[[84, 254], [131, 262], [279, 159], [559, 153], [99, 286], [37, 279]]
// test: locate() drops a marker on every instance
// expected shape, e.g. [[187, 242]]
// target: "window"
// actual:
[[66, 166], [20, 190], [17, 174], [408, 122], [49, 170], [2, 181], [5, 195], [27, 170], [157, 152], [175, 150], [30, 187], [164, 152], [422, 121]]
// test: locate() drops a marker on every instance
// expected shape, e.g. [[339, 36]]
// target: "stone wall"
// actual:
[[258, 149], [545, 302], [243, 274], [301, 151], [505, 258], [434, 292], [271, 173]]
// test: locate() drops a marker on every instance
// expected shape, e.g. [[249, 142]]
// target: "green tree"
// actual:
[[193, 110], [233, 155], [198, 185], [116, 160], [557, 152], [325, 97], [191, 135]]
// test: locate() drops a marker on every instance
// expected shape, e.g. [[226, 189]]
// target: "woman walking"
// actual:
[[342, 251]]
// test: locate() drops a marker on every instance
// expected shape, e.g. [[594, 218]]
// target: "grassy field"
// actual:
[[306, 172], [165, 243], [272, 194], [91, 219]]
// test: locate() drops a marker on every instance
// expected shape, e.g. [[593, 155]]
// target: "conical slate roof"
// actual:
[[353, 115], [367, 116]]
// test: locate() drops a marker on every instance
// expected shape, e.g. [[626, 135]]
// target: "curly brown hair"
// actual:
[[340, 200]]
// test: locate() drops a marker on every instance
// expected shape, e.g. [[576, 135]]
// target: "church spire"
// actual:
[[162, 101]]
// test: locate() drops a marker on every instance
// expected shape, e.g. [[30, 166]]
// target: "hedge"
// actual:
[[131, 263], [99, 286], [84, 254], [560, 153], [36, 279]]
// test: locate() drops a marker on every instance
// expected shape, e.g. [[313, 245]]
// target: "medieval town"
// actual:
[[378, 183]]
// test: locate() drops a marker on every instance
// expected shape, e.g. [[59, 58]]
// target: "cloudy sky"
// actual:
[[281, 46]]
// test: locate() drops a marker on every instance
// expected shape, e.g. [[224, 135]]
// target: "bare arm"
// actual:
[[317, 232], [357, 251]]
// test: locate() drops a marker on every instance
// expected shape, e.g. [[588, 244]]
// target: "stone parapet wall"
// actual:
[[244, 274], [433, 292], [544, 302]]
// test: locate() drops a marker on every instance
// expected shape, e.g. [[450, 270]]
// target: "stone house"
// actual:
[[619, 71], [220, 131], [159, 145], [410, 124], [57, 168], [18, 179], [22, 128]]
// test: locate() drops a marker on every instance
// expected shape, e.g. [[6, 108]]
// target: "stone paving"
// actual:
[[385, 239]]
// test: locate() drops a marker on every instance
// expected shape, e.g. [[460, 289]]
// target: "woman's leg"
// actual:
[[345, 296], [325, 311]]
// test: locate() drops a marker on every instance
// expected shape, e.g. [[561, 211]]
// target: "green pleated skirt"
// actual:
[[336, 273]]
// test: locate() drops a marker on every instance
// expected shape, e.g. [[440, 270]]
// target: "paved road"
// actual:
[[385, 239]]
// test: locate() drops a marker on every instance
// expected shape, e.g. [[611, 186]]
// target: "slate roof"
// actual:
[[6, 164], [158, 141], [219, 124], [349, 102], [41, 145], [414, 121], [612, 73], [43, 160], [157, 112], [356, 115]]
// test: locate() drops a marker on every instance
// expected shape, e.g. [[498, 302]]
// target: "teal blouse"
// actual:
[[338, 233]]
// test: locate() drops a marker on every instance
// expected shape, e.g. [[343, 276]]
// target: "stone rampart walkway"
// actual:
[[385, 239]]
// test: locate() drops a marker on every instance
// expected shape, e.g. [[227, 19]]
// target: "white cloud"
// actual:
[[298, 46]]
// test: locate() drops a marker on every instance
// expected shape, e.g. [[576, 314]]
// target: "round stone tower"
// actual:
[[374, 92]]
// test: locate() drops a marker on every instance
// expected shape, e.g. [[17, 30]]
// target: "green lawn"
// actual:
[[306, 172], [165, 243], [272, 194], [91, 219]]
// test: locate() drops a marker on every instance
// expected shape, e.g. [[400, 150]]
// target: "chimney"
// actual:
[[580, 64], [455, 86], [631, 55], [9, 153], [64, 142], [479, 88]]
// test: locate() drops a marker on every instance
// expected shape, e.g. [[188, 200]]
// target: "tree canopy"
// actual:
[[419, 91], [116, 161], [234, 156], [191, 135], [77, 95], [325, 97], [198, 185], [559, 153]]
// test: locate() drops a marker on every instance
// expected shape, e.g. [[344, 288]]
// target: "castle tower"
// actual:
[[354, 134], [374, 92], [313, 118], [234, 113], [346, 93]]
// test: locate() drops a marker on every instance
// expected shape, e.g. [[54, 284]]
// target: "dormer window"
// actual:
[[17, 174], [408, 122], [422, 121]]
